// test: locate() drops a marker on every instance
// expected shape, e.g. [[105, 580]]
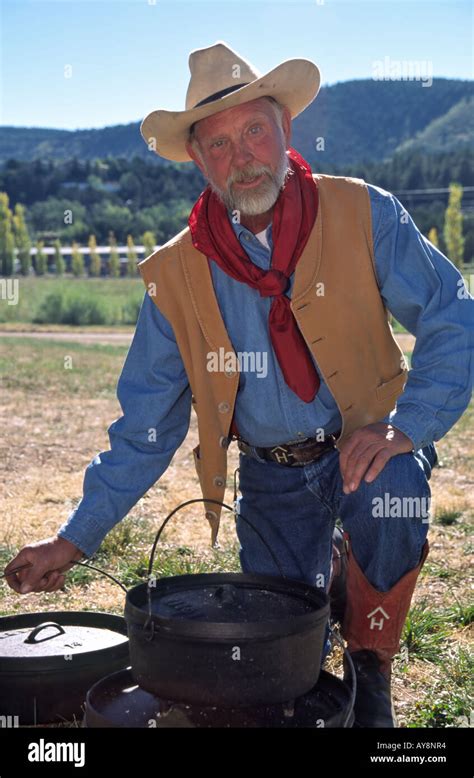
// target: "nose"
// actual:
[[241, 155]]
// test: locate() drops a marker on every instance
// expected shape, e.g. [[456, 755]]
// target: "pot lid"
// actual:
[[228, 602], [44, 640]]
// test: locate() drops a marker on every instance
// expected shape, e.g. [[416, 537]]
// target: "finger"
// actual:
[[56, 583], [360, 459], [14, 583], [359, 468], [346, 449], [377, 465], [36, 583], [48, 580], [19, 560]]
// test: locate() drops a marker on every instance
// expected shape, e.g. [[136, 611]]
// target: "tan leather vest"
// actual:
[[346, 327]]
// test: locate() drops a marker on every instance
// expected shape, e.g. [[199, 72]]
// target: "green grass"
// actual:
[[397, 327], [425, 633], [435, 570], [41, 366], [460, 614], [447, 516], [449, 701], [75, 301]]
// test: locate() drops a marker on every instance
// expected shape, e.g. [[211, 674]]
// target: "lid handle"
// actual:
[[32, 636]]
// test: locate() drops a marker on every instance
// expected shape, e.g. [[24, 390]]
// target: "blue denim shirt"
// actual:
[[418, 284]]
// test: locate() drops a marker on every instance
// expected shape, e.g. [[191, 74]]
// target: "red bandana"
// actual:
[[294, 215]]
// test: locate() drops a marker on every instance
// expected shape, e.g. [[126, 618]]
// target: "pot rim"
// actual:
[[137, 615]]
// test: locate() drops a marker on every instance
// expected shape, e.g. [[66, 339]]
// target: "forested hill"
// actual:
[[349, 122]]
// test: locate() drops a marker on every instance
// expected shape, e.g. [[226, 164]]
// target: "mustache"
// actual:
[[243, 176]]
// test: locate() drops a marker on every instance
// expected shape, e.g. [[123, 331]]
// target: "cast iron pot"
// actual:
[[115, 701], [48, 662], [225, 638]]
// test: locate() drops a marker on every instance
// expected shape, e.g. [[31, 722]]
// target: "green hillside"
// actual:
[[363, 120]]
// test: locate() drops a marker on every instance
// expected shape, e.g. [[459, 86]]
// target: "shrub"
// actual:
[[69, 307]]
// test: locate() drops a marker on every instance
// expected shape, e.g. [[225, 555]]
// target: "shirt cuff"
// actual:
[[84, 531], [407, 420]]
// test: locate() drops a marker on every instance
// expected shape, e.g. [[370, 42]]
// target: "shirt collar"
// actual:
[[240, 230]]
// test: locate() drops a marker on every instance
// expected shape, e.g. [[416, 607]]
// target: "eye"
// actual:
[[216, 144], [255, 127]]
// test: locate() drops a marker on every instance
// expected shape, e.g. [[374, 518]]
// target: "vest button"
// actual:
[[211, 515], [224, 441], [229, 372], [219, 481], [223, 407]]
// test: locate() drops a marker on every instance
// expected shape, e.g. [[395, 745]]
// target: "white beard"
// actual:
[[262, 197]]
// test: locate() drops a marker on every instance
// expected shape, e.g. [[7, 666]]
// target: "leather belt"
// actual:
[[292, 454]]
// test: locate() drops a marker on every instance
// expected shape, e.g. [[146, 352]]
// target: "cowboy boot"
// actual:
[[372, 626]]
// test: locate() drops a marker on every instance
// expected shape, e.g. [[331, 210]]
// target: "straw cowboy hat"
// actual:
[[220, 79]]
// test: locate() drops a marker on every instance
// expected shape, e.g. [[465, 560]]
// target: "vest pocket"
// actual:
[[389, 388]]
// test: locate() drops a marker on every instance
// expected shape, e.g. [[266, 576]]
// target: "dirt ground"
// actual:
[[50, 437]]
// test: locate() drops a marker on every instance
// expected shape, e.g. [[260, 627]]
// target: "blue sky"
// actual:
[[129, 57]]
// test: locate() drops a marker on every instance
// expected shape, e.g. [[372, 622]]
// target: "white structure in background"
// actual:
[[102, 251]]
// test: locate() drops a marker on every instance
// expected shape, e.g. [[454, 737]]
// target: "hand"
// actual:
[[367, 451], [49, 559]]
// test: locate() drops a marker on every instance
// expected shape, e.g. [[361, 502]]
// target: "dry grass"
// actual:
[[54, 421]]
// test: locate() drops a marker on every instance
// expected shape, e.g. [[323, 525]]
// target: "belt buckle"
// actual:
[[281, 455]]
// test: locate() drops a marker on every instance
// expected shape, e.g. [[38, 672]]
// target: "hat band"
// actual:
[[222, 93]]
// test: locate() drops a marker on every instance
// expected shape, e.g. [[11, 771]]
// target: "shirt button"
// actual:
[[223, 407], [219, 481]]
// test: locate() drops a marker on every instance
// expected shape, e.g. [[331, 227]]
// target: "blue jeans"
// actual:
[[295, 509]]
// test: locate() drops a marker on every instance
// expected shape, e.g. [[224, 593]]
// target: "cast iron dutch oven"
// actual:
[[225, 638], [115, 701], [48, 662]]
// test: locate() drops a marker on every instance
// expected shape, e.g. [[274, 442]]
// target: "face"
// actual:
[[243, 155]]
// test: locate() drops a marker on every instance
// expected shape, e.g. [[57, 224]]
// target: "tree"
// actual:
[[149, 242], [22, 239], [77, 261], [433, 237], [94, 258], [453, 226], [7, 242], [41, 259], [59, 263], [114, 258], [131, 257]]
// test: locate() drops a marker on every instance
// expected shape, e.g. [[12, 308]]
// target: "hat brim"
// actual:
[[294, 83]]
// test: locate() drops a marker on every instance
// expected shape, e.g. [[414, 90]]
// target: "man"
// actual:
[[293, 273]]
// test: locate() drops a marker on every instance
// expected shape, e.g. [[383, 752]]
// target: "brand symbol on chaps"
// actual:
[[374, 623]]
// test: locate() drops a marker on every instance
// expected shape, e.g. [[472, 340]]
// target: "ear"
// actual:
[[286, 124], [194, 157]]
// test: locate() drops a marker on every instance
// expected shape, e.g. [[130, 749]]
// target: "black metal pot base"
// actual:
[[116, 701]]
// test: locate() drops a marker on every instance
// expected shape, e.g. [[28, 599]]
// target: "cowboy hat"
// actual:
[[220, 79]]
